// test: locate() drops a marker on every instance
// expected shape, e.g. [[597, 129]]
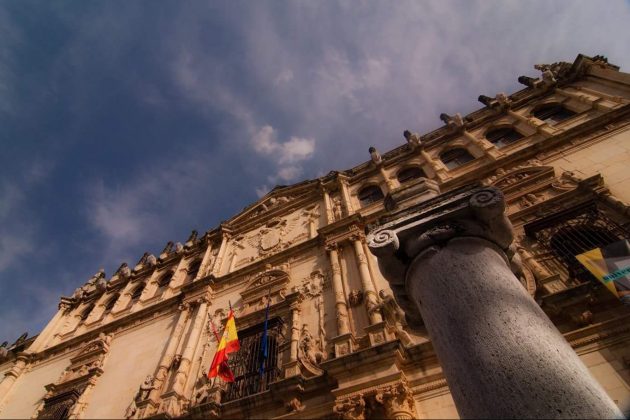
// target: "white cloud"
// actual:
[[284, 155], [285, 76]]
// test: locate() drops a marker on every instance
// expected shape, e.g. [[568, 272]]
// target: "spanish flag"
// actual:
[[228, 344]]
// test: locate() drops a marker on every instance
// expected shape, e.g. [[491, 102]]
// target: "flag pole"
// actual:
[[264, 350]]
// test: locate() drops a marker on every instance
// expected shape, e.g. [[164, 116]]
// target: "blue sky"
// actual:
[[124, 125]]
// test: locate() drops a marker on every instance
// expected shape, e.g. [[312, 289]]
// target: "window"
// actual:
[[137, 292], [552, 114], [86, 312], [246, 363], [455, 158], [163, 283], [192, 271], [370, 194], [572, 232], [503, 136], [110, 304], [409, 174]]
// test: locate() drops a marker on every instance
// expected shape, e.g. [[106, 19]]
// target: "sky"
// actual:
[[125, 125]]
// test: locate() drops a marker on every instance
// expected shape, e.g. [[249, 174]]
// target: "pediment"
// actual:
[[517, 178], [275, 202], [268, 283]]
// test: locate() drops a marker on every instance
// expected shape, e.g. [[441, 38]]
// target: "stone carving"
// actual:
[[168, 249], [295, 406], [393, 315], [351, 408], [375, 155], [413, 139], [337, 209], [555, 70], [96, 282], [3, 350], [147, 260], [192, 239], [146, 387], [566, 182], [311, 350], [123, 271], [531, 199], [355, 297], [454, 122], [273, 202], [397, 400], [270, 237]]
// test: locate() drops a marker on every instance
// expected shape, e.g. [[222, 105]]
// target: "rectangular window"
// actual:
[[568, 233], [246, 363]]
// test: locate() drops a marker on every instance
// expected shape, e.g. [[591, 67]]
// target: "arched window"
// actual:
[[192, 271], [137, 292], [455, 157], [553, 113], [409, 174], [86, 312], [163, 283], [370, 194], [503, 136], [110, 304]]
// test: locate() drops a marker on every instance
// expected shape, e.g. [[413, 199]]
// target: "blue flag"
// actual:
[[264, 350]]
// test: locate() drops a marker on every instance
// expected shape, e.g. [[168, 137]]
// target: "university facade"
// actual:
[[436, 280]]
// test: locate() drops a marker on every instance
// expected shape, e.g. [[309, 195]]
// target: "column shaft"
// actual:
[[167, 359], [340, 299], [371, 299], [501, 355], [191, 344]]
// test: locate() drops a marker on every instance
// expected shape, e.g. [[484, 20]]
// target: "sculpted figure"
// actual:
[[394, 315], [310, 347], [146, 387]]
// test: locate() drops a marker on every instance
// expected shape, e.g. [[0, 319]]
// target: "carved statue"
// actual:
[[375, 155], [295, 406], [146, 387], [352, 408], [310, 347], [123, 270], [394, 315], [337, 210], [355, 297], [3, 350]]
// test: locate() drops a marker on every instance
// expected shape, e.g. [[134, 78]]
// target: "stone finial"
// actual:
[[167, 250], [375, 155], [501, 100], [178, 247], [413, 139], [527, 81], [123, 270], [192, 239], [455, 122]]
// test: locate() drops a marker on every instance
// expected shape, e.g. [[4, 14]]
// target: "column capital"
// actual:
[[470, 211]]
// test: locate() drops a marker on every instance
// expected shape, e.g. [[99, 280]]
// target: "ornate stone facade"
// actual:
[[475, 226]]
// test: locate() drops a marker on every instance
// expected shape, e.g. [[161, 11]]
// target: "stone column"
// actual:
[[10, 377], [330, 218], [501, 356], [345, 195], [216, 270], [171, 348], [370, 297], [340, 299], [191, 344], [292, 368], [397, 401]]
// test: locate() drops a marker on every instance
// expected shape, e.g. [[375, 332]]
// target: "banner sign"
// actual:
[[611, 266]]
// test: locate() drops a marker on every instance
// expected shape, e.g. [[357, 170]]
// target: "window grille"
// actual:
[[553, 114], [456, 157], [370, 194], [501, 137], [410, 174], [571, 232], [245, 363]]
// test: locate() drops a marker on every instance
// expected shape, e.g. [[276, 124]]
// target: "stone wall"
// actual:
[[134, 354]]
